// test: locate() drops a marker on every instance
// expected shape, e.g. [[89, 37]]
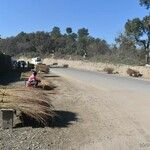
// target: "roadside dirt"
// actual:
[[88, 119], [97, 66]]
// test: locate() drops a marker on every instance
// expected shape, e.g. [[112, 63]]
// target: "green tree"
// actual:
[[55, 33], [69, 30], [125, 44], [145, 3], [97, 47], [83, 33], [139, 30], [82, 42]]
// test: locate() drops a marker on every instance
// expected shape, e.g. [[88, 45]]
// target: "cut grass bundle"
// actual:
[[108, 70], [30, 102], [42, 68], [133, 73], [46, 85], [65, 66]]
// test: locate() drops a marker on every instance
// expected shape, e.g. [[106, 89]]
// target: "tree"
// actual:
[[55, 33], [145, 3], [43, 43], [97, 47], [82, 42], [83, 33], [139, 30], [125, 44], [69, 30]]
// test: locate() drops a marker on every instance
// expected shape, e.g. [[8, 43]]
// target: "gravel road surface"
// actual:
[[121, 108], [96, 112], [104, 81]]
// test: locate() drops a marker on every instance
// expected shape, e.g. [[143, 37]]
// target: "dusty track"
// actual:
[[110, 119], [90, 118]]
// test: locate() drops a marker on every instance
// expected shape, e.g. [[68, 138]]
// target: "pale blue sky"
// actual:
[[103, 18]]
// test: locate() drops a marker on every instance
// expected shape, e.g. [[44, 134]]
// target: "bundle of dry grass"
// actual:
[[133, 73], [42, 68], [46, 85], [26, 75], [108, 70], [23, 100], [55, 64], [65, 66]]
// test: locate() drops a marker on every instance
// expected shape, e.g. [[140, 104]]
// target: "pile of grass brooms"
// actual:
[[42, 68], [32, 103]]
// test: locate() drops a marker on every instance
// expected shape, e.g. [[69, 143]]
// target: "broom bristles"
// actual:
[[39, 108]]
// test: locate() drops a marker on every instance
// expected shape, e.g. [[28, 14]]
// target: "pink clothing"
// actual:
[[31, 81], [32, 78]]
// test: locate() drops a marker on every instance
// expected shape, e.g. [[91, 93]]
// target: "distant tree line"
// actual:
[[80, 44], [53, 42], [130, 47]]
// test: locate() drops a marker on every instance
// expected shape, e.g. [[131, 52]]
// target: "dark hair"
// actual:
[[34, 73]]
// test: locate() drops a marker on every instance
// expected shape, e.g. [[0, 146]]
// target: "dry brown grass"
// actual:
[[47, 85], [108, 70], [44, 84], [29, 101], [42, 68], [133, 73], [26, 75], [65, 65]]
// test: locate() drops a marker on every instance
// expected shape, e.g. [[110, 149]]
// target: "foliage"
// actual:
[[145, 3], [69, 30], [54, 42], [139, 30], [80, 45], [126, 46]]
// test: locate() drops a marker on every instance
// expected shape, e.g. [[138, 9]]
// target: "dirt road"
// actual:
[[96, 112], [113, 112]]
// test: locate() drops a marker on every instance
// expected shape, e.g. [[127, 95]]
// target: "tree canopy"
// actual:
[[145, 3], [82, 44], [54, 42], [139, 30]]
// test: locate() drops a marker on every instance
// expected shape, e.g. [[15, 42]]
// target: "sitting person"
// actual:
[[33, 81]]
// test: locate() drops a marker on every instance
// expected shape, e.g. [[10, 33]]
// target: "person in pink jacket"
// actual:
[[32, 80]]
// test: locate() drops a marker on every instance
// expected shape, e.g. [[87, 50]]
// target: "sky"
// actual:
[[104, 18]]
